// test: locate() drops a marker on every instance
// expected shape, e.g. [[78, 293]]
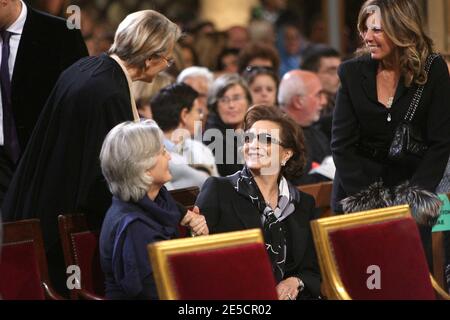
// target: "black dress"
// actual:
[[230, 160]]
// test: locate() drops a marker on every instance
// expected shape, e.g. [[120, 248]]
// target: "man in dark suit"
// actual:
[[36, 48]]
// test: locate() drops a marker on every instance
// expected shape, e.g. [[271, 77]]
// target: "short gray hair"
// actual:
[[221, 86], [144, 34], [196, 72], [290, 86], [129, 150]]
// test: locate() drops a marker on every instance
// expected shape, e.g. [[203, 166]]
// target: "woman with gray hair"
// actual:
[[228, 101], [136, 167], [59, 171]]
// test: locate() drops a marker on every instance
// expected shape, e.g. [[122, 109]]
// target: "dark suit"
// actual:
[[225, 210], [46, 48], [360, 119]]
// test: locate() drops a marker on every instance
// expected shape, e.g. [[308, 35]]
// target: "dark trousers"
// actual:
[[6, 173]]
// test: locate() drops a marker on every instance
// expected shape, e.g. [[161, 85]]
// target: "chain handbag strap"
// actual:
[[418, 95]]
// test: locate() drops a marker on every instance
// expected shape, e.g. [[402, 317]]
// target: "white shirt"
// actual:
[[16, 29]]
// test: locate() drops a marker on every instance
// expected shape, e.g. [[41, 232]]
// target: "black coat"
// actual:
[[317, 148], [47, 47], [60, 169], [360, 119], [232, 158], [225, 210]]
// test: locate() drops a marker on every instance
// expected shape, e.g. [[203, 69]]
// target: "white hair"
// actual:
[[129, 150], [290, 86], [196, 72], [144, 34]]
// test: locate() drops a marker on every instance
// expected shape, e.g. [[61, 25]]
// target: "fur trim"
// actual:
[[374, 197], [425, 206]]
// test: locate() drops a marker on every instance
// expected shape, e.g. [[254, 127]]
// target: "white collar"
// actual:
[[129, 81], [17, 26]]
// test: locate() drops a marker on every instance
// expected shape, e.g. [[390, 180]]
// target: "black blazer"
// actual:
[[225, 211], [360, 118], [46, 48]]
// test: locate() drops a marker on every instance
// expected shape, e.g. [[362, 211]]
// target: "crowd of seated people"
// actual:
[[215, 104]]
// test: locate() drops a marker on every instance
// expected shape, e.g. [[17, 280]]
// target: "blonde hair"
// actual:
[[144, 34], [402, 23]]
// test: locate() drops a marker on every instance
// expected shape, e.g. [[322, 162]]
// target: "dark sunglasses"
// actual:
[[263, 138]]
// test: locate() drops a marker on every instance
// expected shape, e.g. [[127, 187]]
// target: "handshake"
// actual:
[[196, 222]]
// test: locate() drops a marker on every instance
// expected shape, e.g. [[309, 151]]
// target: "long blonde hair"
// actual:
[[402, 23]]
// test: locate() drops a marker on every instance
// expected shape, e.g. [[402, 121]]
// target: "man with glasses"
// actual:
[[301, 96]]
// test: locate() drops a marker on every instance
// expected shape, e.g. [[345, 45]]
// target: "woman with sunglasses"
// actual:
[[261, 196]]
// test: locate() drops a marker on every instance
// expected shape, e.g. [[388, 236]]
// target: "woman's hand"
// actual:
[[195, 222], [288, 289]]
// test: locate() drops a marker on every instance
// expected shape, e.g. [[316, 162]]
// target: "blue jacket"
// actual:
[[127, 230]]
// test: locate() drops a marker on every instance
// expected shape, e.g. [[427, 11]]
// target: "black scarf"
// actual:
[[273, 226]]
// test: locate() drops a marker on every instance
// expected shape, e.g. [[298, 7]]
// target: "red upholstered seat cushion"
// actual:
[[87, 256], [395, 247], [240, 273], [19, 272]]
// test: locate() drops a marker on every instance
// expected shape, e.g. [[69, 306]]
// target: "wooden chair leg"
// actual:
[[438, 258]]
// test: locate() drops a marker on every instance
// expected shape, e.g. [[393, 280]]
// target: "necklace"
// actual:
[[389, 106]]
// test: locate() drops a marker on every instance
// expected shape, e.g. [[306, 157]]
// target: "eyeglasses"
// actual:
[[227, 100], [169, 62], [263, 138]]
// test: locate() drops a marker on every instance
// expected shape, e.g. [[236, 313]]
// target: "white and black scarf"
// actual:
[[272, 220]]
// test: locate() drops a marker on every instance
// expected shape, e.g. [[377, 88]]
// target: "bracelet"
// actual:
[[301, 285]]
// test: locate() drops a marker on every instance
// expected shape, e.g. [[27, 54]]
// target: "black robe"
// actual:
[[60, 169]]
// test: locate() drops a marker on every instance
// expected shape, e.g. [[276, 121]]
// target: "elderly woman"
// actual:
[[136, 166], [261, 196], [228, 102], [59, 171]]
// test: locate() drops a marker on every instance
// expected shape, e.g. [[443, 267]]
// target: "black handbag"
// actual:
[[408, 140]]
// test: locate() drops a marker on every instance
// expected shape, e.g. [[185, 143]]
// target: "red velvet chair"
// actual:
[[23, 264], [379, 247], [227, 266], [187, 198], [80, 247]]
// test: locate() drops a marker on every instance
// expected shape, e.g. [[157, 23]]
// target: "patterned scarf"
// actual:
[[273, 226]]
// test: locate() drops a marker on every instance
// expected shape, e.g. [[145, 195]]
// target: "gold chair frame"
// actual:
[[159, 253], [332, 283]]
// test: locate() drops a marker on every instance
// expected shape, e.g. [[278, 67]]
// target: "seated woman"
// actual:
[[263, 85], [134, 163], [228, 101], [260, 196]]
